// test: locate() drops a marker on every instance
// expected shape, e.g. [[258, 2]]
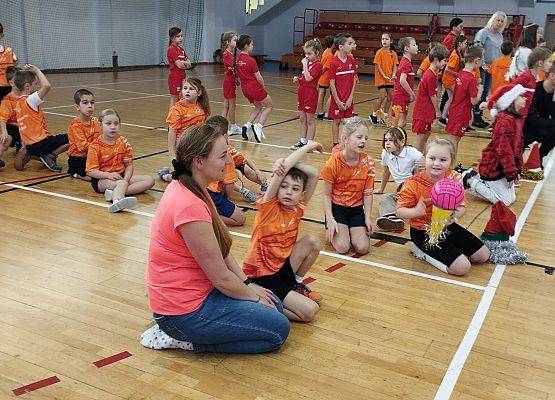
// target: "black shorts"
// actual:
[[385, 87], [240, 168], [323, 87], [94, 184], [77, 165], [47, 145], [4, 90], [281, 283], [350, 216], [459, 241], [13, 131]]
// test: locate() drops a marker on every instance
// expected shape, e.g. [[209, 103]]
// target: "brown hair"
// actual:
[[23, 77], [328, 41], [341, 39], [404, 42], [174, 31], [438, 51], [537, 55], [226, 38], [80, 93], [314, 44], [529, 36], [203, 97], [219, 123], [10, 72], [197, 141], [507, 47], [244, 40], [398, 135], [298, 175], [472, 53], [437, 141]]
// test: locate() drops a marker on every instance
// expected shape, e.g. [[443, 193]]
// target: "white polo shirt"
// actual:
[[401, 166]]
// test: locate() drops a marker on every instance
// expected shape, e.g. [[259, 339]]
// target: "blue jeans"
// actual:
[[226, 325], [486, 81]]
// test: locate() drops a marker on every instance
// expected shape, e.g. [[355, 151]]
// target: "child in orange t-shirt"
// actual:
[[454, 254], [32, 123], [191, 110], [348, 187], [454, 65], [9, 132], [324, 81], [276, 260], [7, 59], [110, 165], [385, 62], [82, 130], [499, 68]]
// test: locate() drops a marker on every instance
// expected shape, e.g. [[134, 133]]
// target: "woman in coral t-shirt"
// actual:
[[200, 298]]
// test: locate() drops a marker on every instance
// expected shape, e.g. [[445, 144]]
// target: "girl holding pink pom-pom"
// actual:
[[440, 241]]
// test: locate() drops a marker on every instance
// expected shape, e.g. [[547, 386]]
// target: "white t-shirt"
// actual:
[[401, 166], [34, 100]]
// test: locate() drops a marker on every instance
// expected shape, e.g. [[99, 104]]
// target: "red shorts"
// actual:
[[402, 102], [253, 92], [307, 99], [229, 88], [174, 83], [456, 127], [421, 127], [336, 113]]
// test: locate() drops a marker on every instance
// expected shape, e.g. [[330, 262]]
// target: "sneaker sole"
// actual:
[[122, 204], [385, 224], [21, 159]]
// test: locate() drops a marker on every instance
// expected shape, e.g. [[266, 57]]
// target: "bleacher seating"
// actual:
[[367, 28]]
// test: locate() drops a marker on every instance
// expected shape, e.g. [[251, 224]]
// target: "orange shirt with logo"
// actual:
[[183, 115], [419, 186], [107, 157], [81, 135], [7, 59], [498, 69], [387, 60], [7, 109], [425, 64], [273, 237], [230, 176], [448, 78], [349, 184], [31, 122]]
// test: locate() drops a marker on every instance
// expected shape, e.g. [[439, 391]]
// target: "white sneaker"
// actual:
[[108, 194], [245, 130], [257, 131], [234, 130], [155, 338], [415, 250], [122, 204], [248, 195]]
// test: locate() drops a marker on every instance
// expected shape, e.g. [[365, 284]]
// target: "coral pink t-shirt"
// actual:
[[175, 282]]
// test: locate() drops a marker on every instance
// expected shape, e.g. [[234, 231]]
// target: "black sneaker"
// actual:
[[321, 115], [442, 121], [459, 168], [374, 119], [479, 123], [390, 223], [470, 129], [2, 164], [245, 132], [466, 175], [297, 145], [49, 160], [326, 118]]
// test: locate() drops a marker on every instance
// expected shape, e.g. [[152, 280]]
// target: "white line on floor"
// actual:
[[457, 363], [246, 236]]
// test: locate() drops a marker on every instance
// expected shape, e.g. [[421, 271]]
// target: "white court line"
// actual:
[[457, 363], [246, 236], [109, 101]]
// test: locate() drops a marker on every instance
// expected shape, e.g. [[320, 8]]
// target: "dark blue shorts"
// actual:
[[224, 206], [47, 145]]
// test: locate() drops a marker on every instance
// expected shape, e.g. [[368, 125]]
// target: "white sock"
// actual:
[[298, 278], [303, 140]]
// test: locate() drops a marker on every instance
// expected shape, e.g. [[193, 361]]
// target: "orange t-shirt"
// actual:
[[448, 78], [230, 176], [273, 237], [417, 187], [324, 80], [81, 135], [349, 184], [387, 59], [183, 115], [109, 157], [425, 64], [7, 59], [7, 109], [498, 69], [541, 75], [31, 123], [238, 157]]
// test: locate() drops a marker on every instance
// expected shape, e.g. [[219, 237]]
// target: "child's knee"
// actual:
[[481, 256], [149, 182], [309, 311], [460, 266], [341, 246], [238, 216], [361, 246], [313, 242]]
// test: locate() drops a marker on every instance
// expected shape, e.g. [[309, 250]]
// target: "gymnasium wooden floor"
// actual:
[[72, 285]]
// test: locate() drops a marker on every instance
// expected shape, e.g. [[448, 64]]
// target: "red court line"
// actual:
[[357, 255], [335, 267], [35, 385], [379, 243], [112, 359], [308, 280], [33, 179]]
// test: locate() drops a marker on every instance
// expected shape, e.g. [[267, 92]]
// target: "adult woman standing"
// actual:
[[490, 38], [200, 297]]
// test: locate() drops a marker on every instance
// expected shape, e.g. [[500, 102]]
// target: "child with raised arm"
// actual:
[[110, 165], [426, 107], [33, 87], [348, 187], [342, 83], [178, 62], [385, 62], [9, 132], [460, 247], [307, 93], [467, 92], [403, 94], [276, 260], [82, 131]]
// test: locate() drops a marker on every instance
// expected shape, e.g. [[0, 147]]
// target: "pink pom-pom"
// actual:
[[447, 194]]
